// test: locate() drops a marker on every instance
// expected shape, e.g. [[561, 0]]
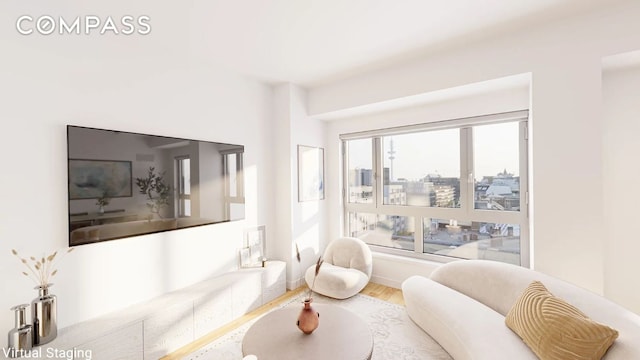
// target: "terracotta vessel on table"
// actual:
[[309, 319]]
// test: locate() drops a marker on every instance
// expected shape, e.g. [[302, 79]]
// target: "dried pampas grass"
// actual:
[[40, 271]]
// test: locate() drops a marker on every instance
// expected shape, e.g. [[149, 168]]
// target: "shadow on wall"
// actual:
[[308, 234]]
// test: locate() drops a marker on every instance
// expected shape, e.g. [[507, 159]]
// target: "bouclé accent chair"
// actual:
[[346, 269]]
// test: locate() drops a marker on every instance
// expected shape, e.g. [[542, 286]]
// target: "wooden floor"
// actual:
[[378, 291], [385, 293]]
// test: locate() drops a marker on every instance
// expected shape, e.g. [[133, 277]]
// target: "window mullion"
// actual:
[[378, 178], [524, 196], [345, 187], [418, 234], [466, 172], [524, 175]]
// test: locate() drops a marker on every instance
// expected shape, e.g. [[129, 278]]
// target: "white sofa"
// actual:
[[464, 303]]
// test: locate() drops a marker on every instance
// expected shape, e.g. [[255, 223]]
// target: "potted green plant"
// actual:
[[156, 190], [103, 201]]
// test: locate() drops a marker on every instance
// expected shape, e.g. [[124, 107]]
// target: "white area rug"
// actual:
[[395, 336]]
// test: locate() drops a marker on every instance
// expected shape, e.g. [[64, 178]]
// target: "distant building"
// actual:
[[361, 177], [447, 190], [395, 195], [419, 193], [500, 192], [444, 196], [360, 185]]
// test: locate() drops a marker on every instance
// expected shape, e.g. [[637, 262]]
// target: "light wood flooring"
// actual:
[[378, 291]]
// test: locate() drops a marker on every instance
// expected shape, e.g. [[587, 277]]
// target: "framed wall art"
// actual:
[[92, 179], [310, 173]]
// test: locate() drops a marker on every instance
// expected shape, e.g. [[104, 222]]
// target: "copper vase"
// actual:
[[309, 319]]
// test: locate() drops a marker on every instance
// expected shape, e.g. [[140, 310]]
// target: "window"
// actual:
[[435, 181], [360, 170], [183, 166], [459, 185]]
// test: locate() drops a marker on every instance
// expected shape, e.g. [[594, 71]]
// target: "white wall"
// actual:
[[284, 191], [566, 127], [308, 218], [301, 223], [621, 90], [160, 84]]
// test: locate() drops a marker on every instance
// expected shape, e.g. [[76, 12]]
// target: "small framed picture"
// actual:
[[245, 257], [255, 244]]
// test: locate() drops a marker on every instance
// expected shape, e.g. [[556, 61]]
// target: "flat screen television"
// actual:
[[124, 184]]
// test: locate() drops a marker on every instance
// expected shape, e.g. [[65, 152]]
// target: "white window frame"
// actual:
[[239, 186], [467, 211], [181, 197]]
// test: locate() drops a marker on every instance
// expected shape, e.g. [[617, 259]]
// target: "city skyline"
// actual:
[[496, 148]]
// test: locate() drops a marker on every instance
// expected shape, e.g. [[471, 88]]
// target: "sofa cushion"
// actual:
[[555, 329], [465, 328]]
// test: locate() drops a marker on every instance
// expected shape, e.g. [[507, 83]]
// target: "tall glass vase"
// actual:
[[44, 316]]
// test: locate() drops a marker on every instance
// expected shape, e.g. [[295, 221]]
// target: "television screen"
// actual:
[[124, 184]]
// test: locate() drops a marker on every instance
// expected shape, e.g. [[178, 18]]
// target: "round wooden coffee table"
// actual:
[[340, 335]]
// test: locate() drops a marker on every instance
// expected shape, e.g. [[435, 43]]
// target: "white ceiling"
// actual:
[[310, 42]]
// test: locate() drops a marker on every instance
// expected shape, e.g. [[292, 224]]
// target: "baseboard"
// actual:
[[386, 281], [294, 284]]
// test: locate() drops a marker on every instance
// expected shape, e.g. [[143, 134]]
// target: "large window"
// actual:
[[451, 189]]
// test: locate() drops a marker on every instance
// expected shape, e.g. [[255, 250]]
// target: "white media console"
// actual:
[[162, 325]]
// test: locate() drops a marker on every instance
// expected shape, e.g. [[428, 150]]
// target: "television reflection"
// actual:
[[124, 184]]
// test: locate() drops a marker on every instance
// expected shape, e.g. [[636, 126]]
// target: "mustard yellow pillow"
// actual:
[[555, 329]]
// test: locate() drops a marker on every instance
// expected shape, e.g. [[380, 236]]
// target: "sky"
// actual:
[[438, 152]]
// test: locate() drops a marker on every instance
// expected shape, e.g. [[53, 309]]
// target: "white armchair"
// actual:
[[346, 270]]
